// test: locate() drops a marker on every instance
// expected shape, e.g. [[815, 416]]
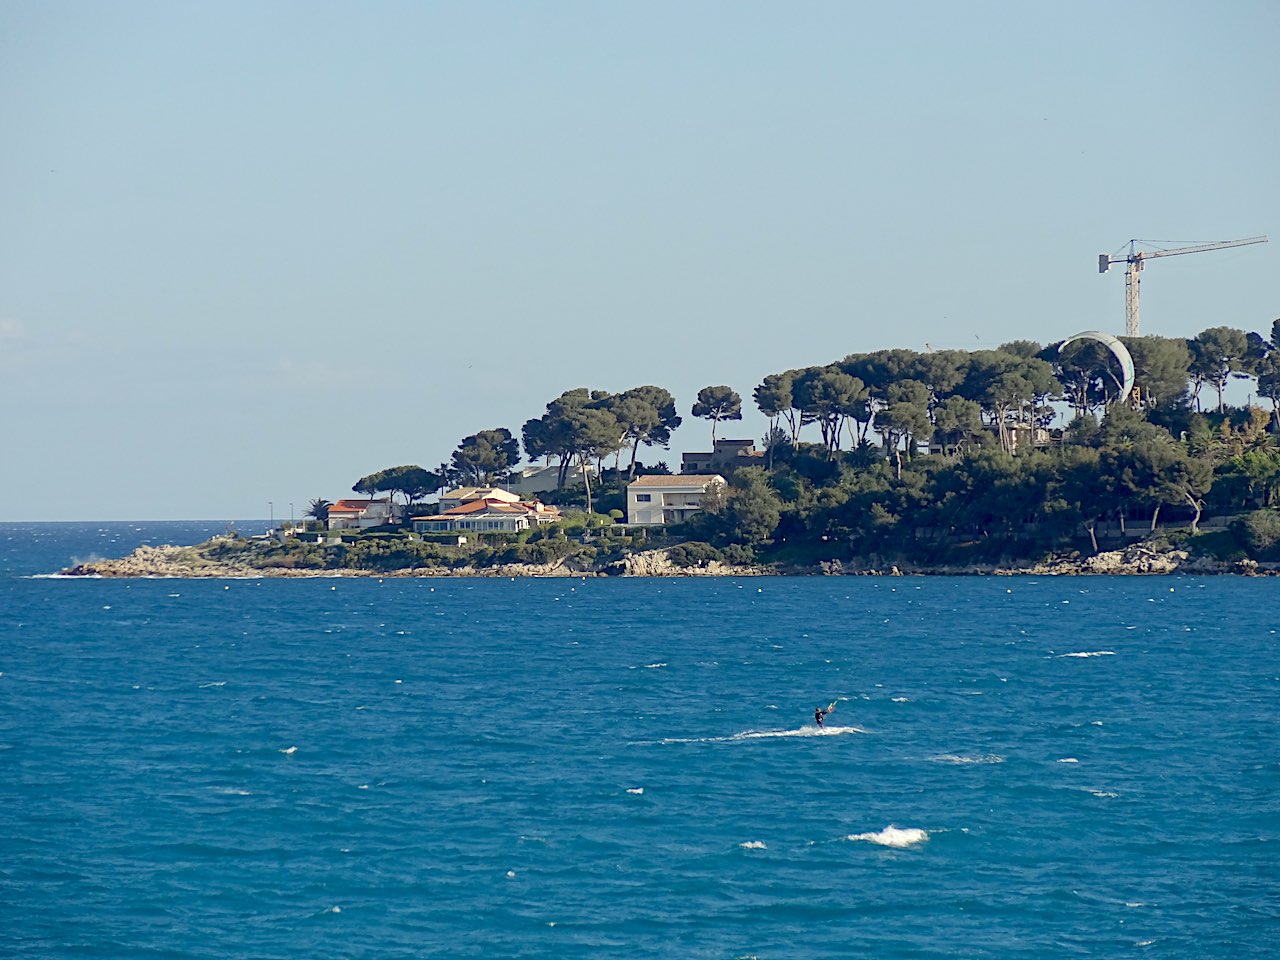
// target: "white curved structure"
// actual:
[[1118, 350]]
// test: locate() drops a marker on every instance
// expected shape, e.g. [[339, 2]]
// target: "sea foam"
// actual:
[[892, 836], [958, 758], [810, 731]]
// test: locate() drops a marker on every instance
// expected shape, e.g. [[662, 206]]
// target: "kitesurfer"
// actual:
[[818, 714]]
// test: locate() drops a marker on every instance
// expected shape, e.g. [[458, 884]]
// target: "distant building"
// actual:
[[537, 479], [460, 495], [726, 457], [1021, 436], [654, 500], [362, 514], [487, 515]]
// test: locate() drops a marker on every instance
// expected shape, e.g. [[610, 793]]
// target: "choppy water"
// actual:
[[562, 768]]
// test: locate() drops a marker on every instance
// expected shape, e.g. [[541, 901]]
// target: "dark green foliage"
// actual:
[[845, 474], [738, 554], [1259, 531], [410, 480], [693, 554], [716, 404], [752, 507], [485, 457]]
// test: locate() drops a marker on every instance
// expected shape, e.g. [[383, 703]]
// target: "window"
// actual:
[[643, 498]]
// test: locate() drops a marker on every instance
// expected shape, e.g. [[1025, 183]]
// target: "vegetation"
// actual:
[[938, 457]]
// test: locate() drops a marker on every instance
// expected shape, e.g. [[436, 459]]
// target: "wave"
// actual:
[[753, 845], [892, 836], [810, 731], [958, 758], [1090, 653], [635, 790]]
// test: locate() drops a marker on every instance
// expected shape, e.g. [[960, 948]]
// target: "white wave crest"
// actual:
[[635, 790], [810, 731], [654, 666], [958, 758], [892, 836], [1089, 653], [753, 845]]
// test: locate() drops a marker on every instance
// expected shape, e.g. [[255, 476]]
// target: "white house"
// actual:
[[362, 514], [655, 500]]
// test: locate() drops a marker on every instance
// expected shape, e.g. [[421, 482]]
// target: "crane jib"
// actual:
[[1135, 260]]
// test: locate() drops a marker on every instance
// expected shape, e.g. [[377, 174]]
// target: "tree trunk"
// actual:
[[586, 479], [1092, 527], [631, 471], [1195, 521], [1155, 518], [1120, 517]]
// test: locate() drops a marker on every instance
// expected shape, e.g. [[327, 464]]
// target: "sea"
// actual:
[[562, 768]]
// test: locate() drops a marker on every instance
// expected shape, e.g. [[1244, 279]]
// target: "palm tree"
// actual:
[[318, 509]]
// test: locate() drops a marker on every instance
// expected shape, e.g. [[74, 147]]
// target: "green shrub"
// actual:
[[693, 554], [1259, 531], [738, 554]]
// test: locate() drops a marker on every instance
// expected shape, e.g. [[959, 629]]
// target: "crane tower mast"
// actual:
[[1134, 261]]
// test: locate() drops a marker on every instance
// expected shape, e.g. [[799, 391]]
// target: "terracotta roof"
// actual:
[[476, 493], [484, 506], [352, 506], [680, 480]]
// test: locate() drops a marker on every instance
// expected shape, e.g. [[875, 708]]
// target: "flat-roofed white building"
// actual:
[[657, 500]]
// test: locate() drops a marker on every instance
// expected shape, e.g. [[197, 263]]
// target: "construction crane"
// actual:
[[1136, 258]]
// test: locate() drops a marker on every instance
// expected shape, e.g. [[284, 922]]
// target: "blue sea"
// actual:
[[364, 768]]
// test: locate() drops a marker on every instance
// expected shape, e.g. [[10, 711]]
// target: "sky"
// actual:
[[251, 252]]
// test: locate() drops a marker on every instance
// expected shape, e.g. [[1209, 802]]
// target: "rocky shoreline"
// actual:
[[1135, 560]]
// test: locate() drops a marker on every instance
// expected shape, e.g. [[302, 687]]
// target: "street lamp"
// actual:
[[271, 509]]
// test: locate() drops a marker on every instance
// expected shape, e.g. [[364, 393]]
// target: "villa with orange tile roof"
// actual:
[[486, 515], [362, 514]]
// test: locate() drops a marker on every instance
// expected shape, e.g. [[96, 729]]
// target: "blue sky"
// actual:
[[250, 252]]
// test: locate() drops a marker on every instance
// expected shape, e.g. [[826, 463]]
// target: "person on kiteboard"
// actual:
[[818, 714]]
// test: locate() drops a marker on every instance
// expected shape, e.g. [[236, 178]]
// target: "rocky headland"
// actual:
[[1134, 560]]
